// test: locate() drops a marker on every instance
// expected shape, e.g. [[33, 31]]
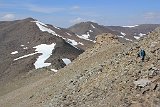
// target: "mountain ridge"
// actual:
[[108, 69], [105, 72], [22, 44], [124, 33]]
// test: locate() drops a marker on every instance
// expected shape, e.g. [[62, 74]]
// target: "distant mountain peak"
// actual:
[[29, 19], [85, 23]]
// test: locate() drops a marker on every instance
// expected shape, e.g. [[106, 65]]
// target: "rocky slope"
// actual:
[[108, 75]]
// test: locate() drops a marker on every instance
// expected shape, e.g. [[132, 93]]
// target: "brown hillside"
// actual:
[[107, 75]]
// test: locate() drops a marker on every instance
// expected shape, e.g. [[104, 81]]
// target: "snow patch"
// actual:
[[57, 28], [22, 45], [128, 39], [54, 70], [141, 34], [72, 42], [131, 26], [15, 52], [40, 23], [25, 48], [86, 36], [90, 31], [94, 41], [25, 56], [93, 26], [80, 43], [68, 34], [66, 61], [137, 37], [123, 34], [44, 28], [46, 51]]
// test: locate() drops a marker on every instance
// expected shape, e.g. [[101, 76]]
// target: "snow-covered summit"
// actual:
[[131, 26]]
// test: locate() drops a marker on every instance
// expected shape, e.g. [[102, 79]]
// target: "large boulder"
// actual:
[[106, 38]]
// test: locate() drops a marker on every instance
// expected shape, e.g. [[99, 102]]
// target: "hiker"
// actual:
[[142, 54]]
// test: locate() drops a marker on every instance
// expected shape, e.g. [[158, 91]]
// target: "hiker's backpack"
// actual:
[[142, 53]]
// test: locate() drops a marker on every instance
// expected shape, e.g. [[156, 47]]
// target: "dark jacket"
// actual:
[[142, 53]]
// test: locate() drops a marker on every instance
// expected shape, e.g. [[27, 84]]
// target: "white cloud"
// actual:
[[77, 20], [48, 10], [151, 15], [75, 8], [8, 17]]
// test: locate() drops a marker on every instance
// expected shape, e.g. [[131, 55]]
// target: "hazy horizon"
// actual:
[[67, 13]]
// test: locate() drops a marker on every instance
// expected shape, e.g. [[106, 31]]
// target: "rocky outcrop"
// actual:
[[106, 38]]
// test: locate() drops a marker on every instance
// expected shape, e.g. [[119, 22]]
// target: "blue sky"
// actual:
[[65, 13]]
